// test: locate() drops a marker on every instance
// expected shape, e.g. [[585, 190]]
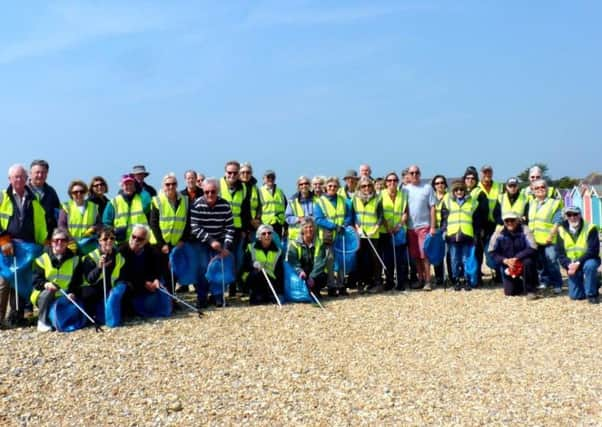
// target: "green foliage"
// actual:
[[524, 175], [565, 182]]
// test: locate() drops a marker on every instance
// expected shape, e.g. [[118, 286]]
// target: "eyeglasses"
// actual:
[[137, 238], [511, 185], [510, 220], [170, 184], [535, 177], [106, 239], [439, 183], [539, 187], [231, 172], [266, 233], [414, 172], [332, 186], [571, 214], [59, 240], [392, 180], [77, 192], [303, 183], [210, 192], [365, 186], [99, 184], [245, 172]]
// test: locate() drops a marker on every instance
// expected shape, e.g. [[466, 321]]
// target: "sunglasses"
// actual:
[[414, 172], [303, 183], [365, 186], [571, 214], [106, 239], [231, 172], [99, 184], [170, 184], [266, 233], [77, 192], [245, 172], [392, 180], [439, 183], [535, 177], [59, 240], [210, 192], [137, 238]]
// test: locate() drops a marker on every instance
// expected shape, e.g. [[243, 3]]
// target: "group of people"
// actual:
[[95, 249]]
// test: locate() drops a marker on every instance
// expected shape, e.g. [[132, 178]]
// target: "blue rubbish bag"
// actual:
[[214, 274], [113, 309], [295, 289], [86, 245], [64, 315], [489, 261], [186, 263], [152, 304], [345, 247], [471, 267], [25, 253], [400, 237], [434, 247]]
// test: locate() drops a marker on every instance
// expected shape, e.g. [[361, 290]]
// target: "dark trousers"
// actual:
[[526, 283], [259, 289], [391, 254], [368, 265]]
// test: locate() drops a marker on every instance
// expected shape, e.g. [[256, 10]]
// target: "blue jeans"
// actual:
[[205, 253], [458, 254], [548, 267], [584, 283]]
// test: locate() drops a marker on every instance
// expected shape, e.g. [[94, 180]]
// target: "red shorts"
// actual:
[[416, 242]]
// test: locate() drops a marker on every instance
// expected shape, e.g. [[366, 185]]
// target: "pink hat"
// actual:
[[127, 177]]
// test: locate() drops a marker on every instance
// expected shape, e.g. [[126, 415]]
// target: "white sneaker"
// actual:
[[557, 291], [43, 327]]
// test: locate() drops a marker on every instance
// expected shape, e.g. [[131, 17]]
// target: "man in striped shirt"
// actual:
[[211, 224]]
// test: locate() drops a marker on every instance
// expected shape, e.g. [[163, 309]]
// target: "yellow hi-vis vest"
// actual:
[[459, 219], [492, 197], [438, 207], [540, 219], [40, 231], [267, 260], [336, 214], [518, 207], [119, 262], [171, 223], [293, 229], [576, 246], [365, 215], [299, 249], [272, 206], [128, 215], [60, 277], [235, 199], [254, 201], [78, 223], [393, 210]]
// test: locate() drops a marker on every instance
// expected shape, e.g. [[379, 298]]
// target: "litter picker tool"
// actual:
[[66, 295], [181, 301], [271, 287]]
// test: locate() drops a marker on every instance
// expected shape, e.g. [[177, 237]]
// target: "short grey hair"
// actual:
[[262, 228], [60, 232], [539, 182], [334, 179], [16, 167], [210, 182], [144, 227], [535, 169], [169, 175]]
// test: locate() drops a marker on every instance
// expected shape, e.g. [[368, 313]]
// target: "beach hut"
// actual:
[[576, 196], [565, 196], [597, 205], [587, 203]]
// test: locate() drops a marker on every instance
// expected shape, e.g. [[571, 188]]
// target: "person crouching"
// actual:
[[263, 258]]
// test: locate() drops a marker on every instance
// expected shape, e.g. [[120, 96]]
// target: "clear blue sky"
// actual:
[[303, 87]]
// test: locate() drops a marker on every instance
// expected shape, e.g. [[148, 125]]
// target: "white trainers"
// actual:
[[557, 291], [43, 327]]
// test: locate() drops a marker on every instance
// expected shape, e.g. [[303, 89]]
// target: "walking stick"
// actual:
[[223, 284], [271, 287], [181, 301], [104, 284], [394, 259], [96, 325], [375, 251]]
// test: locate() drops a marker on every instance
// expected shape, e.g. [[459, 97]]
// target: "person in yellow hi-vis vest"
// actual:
[[367, 211], [80, 217], [300, 206], [579, 253], [545, 216], [273, 203], [460, 222], [169, 223]]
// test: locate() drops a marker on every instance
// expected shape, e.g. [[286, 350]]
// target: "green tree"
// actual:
[[524, 175], [565, 182]]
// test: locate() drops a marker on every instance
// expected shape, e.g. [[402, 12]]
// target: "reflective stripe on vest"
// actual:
[[392, 211], [268, 261], [459, 219], [40, 230], [128, 215], [540, 219], [235, 199], [119, 262], [171, 223], [492, 197], [438, 207], [336, 214], [575, 248], [78, 223], [254, 200], [518, 207], [272, 206], [60, 277], [299, 249], [365, 215], [293, 229]]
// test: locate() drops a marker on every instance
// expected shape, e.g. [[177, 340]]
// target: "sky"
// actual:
[[301, 87]]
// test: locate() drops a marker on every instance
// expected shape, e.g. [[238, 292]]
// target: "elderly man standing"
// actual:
[[513, 200], [139, 173], [22, 217], [211, 224], [545, 216], [421, 205], [44, 192], [578, 248], [350, 187], [513, 247], [535, 174], [235, 192], [126, 209]]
